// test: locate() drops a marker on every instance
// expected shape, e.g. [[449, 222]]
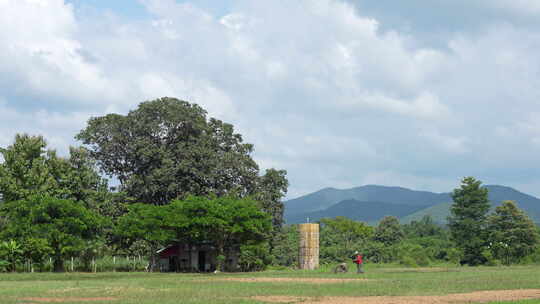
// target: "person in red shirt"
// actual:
[[359, 261]]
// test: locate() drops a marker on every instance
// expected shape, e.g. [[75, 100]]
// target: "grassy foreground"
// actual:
[[224, 288]]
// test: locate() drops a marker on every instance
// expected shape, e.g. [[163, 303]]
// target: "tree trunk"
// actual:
[[177, 261], [152, 263], [190, 268], [221, 257], [58, 264]]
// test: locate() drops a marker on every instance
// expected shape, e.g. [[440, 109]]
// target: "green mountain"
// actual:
[[497, 194], [328, 197], [439, 213], [356, 210], [371, 203]]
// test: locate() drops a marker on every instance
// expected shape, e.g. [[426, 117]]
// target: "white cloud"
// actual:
[[322, 91], [57, 128]]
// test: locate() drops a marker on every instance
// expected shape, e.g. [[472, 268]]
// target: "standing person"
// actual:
[[359, 261]]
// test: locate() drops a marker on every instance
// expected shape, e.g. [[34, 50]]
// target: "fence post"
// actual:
[[71, 264]]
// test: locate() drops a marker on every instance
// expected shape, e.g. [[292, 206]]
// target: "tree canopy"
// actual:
[[512, 234], [168, 148], [45, 225], [389, 231], [29, 168], [226, 222]]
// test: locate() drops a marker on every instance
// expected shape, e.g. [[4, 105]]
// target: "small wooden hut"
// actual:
[[193, 258]]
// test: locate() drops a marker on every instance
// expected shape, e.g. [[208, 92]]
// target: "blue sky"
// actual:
[[128, 8], [340, 93]]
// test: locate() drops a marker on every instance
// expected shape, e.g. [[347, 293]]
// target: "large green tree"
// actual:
[[46, 225], [167, 149], [512, 234], [468, 220]]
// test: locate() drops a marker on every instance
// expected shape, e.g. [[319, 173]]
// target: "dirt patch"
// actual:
[[474, 297], [280, 299], [295, 280], [61, 300]]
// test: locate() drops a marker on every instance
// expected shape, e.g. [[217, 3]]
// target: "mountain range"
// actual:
[[370, 203]]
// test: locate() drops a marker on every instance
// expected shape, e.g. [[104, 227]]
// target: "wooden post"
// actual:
[[114, 263], [71, 264]]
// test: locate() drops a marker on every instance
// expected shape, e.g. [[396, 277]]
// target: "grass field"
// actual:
[[431, 284]]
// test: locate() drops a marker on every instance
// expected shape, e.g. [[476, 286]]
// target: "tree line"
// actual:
[[182, 177], [472, 236]]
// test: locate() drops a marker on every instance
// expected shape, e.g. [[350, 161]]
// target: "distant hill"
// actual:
[[439, 213], [497, 194], [328, 197], [371, 203], [356, 210]]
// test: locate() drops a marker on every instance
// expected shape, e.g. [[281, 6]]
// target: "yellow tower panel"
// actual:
[[308, 255]]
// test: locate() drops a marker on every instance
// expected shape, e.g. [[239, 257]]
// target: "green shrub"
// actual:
[[490, 258], [533, 258], [254, 257], [4, 265], [408, 261], [454, 255], [412, 254]]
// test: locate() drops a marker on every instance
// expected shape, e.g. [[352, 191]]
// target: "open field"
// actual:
[[378, 285]]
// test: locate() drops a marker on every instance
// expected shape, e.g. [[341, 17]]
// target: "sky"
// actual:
[[340, 93]]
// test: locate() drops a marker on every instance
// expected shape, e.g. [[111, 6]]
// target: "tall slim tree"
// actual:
[[468, 220], [271, 189]]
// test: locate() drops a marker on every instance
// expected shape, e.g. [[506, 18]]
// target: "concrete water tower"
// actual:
[[308, 255]]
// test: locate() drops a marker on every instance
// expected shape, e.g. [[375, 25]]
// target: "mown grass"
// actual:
[[214, 288]]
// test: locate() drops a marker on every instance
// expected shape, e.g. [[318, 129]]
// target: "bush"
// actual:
[[454, 255], [285, 252], [254, 257], [490, 258], [412, 254], [533, 258], [377, 252], [4, 265], [408, 261], [11, 253]]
